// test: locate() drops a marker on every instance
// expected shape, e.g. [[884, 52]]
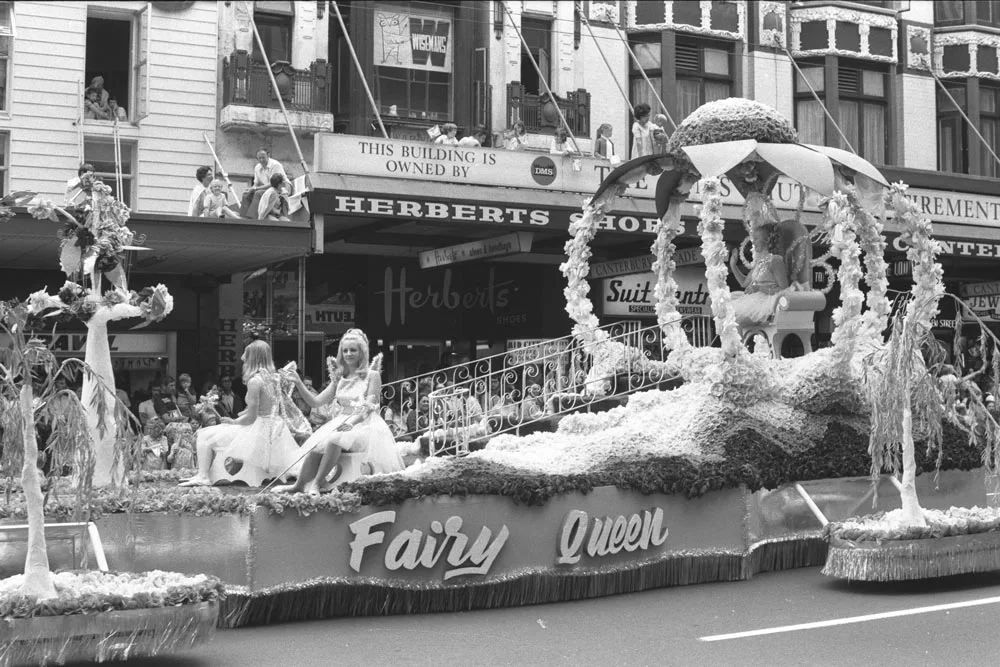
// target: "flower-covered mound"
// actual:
[[687, 440], [731, 119], [87, 592], [940, 523]]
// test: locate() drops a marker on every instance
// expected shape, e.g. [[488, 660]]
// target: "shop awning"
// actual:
[[178, 244]]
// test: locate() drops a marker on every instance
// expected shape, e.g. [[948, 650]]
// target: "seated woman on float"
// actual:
[[258, 444], [356, 437], [767, 278]]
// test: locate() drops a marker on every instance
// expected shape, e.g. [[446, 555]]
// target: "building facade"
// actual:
[[886, 79]]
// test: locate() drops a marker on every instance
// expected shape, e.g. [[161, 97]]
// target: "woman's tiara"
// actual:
[[356, 333]]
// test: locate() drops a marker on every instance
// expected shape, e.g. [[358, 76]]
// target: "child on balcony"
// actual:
[[448, 135], [214, 204], [560, 143]]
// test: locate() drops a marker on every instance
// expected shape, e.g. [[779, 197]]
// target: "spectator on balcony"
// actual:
[[560, 143], [642, 132], [604, 147], [476, 139], [274, 202], [518, 137], [660, 136], [196, 205], [215, 202], [448, 135], [263, 173]]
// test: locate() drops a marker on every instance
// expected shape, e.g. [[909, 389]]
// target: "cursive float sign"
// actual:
[[609, 535], [410, 549]]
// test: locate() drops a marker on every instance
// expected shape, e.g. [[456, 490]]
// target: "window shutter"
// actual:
[[687, 58], [849, 81]]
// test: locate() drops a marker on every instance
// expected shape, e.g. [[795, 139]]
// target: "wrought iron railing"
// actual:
[[246, 82], [530, 109], [515, 389]]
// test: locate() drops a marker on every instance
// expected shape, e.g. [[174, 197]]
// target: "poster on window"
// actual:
[[412, 40]]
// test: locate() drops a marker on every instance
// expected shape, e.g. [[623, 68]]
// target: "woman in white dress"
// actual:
[[356, 437], [257, 445]]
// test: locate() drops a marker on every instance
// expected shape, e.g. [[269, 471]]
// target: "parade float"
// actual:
[[716, 479], [97, 615]]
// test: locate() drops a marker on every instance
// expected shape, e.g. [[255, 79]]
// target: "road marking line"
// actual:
[[850, 619]]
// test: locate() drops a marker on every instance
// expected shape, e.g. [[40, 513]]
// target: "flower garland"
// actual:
[[713, 248], [922, 251], [576, 270], [666, 289], [872, 242], [847, 316]]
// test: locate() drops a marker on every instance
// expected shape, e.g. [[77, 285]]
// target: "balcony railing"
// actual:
[[538, 116], [246, 83]]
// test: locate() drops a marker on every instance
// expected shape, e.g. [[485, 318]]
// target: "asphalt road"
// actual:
[[661, 627]]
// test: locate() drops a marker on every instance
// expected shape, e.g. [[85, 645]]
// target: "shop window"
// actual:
[[101, 154], [704, 74], [274, 22], [413, 61], [537, 34], [953, 146], [6, 49], [118, 51], [949, 12], [988, 12], [862, 103]]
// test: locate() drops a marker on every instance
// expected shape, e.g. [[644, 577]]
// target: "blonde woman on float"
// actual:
[[356, 437], [257, 445]]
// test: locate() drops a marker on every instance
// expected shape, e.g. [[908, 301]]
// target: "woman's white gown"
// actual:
[[265, 448], [369, 442]]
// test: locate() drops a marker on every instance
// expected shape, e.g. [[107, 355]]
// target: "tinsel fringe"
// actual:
[[902, 560], [329, 598], [106, 636]]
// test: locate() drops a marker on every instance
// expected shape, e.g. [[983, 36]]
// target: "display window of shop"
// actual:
[[413, 59], [861, 98]]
